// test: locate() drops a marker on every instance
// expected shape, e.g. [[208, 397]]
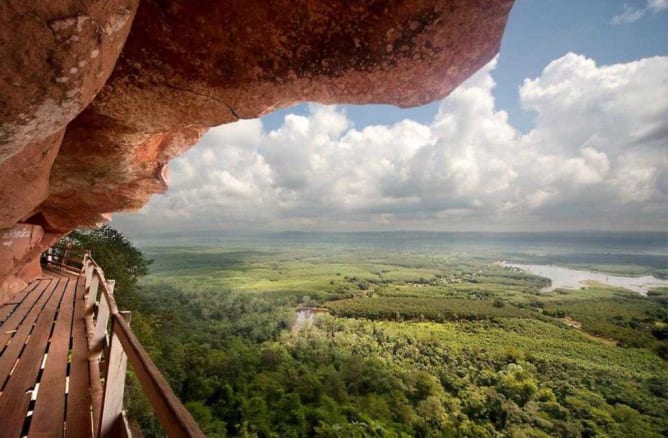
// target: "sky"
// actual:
[[566, 129]]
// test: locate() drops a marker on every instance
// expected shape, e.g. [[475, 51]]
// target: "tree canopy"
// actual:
[[116, 255]]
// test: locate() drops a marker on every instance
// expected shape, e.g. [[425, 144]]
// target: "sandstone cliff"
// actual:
[[97, 97]]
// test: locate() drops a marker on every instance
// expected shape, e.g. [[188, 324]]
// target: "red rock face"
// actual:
[[24, 178], [54, 58], [189, 65], [20, 248]]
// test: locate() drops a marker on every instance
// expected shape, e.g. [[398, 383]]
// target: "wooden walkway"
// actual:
[[60, 339], [44, 371]]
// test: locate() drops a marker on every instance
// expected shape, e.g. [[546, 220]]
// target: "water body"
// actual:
[[566, 278]]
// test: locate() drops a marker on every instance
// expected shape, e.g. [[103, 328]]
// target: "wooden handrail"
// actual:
[[62, 258], [172, 415]]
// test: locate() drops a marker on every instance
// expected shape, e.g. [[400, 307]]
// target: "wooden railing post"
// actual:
[[99, 340], [96, 340], [114, 385], [91, 299], [88, 269]]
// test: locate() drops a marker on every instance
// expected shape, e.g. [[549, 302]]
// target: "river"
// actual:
[[567, 278]]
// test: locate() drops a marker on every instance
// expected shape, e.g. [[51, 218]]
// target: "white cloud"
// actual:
[[598, 150], [632, 14], [657, 5]]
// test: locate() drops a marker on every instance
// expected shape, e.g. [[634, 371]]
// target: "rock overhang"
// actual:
[[129, 85]]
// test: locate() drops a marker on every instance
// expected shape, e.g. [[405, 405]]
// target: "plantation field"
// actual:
[[429, 308], [416, 343]]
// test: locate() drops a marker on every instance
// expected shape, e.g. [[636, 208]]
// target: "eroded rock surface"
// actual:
[[54, 58], [24, 178], [20, 249], [189, 65]]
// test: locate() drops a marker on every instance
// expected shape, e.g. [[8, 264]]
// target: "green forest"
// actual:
[[404, 344]]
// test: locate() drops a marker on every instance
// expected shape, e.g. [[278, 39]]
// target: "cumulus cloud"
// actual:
[[632, 14], [597, 153]]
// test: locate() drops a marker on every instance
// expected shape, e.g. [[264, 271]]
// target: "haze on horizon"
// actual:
[[566, 129]]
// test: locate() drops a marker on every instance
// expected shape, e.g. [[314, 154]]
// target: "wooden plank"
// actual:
[[18, 326], [29, 288], [114, 386], [15, 319], [173, 416], [49, 413], [19, 338], [79, 398], [23, 306], [16, 396], [6, 310], [20, 296], [60, 269]]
